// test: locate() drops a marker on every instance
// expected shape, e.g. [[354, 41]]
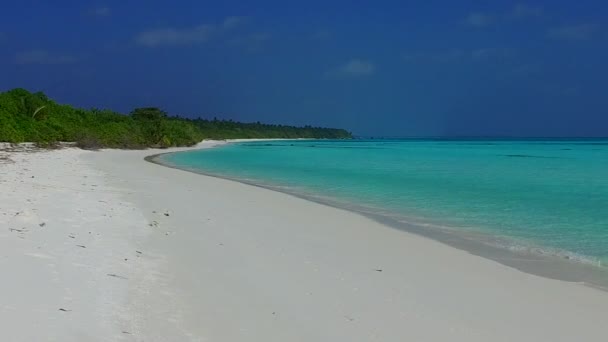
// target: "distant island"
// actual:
[[33, 117]]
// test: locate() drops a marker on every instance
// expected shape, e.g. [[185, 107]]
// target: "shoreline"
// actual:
[[247, 263], [552, 266]]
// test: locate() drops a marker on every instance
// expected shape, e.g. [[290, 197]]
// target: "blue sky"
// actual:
[[463, 68]]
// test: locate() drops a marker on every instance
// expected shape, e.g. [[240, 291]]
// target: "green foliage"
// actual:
[[228, 129], [33, 117], [152, 123]]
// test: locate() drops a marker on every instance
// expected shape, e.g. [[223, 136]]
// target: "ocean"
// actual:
[[540, 196]]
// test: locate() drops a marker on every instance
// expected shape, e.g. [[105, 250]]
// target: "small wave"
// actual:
[[521, 247]]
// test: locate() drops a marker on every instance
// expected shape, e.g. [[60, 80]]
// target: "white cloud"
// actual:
[[171, 36], [479, 19], [354, 68], [459, 55], [519, 11], [102, 11], [252, 42], [573, 32], [523, 11], [435, 56], [43, 57], [233, 22], [488, 53]]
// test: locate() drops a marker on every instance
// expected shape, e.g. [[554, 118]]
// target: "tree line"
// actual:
[[33, 117]]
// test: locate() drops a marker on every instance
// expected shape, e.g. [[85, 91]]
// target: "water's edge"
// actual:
[[547, 266]]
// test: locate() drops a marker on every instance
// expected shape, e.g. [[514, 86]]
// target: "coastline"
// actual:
[[526, 258], [213, 259], [248, 263]]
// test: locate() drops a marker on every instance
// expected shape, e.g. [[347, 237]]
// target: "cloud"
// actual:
[[491, 53], [519, 11], [172, 36], [186, 36], [354, 68], [459, 55], [233, 22], [573, 32], [102, 11], [479, 19], [435, 56], [252, 42], [524, 11], [43, 57]]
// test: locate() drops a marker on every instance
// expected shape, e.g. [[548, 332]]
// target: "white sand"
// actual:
[[62, 231], [232, 262]]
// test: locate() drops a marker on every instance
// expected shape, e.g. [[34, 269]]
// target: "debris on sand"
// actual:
[[116, 276]]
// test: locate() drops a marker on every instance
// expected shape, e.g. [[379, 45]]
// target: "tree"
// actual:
[[148, 113], [33, 117], [152, 120]]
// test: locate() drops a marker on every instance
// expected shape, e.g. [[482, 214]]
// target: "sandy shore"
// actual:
[[67, 249], [213, 260]]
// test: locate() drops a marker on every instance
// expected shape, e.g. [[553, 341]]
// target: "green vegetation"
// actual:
[[33, 117], [228, 129]]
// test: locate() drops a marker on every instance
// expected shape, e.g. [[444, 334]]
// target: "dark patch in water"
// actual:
[[263, 145], [312, 146], [249, 145], [527, 156], [348, 147]]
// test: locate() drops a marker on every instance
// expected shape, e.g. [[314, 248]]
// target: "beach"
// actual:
[[104, 246]]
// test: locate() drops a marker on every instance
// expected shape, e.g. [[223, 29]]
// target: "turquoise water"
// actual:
[[549, 196]]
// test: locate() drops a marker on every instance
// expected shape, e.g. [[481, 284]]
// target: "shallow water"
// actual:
[[547, 196]]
